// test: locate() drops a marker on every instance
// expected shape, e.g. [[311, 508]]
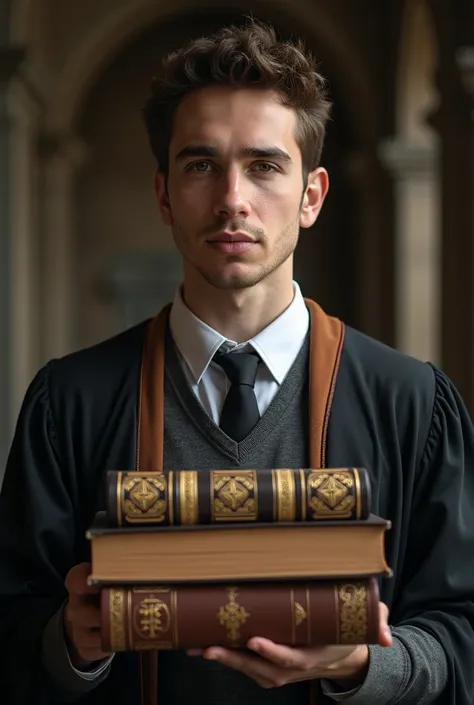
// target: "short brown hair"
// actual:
[[248, 56]]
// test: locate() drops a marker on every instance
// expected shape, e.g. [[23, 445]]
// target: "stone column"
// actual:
[[61, 156], [19, 112], [374, 284], [417, 282], [454, 121]]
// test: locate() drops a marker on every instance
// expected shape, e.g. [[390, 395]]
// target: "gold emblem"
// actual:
[[144, 499], [353, 613], [232, 616], [300, 614], [117, 628], [152, 618], [235, 495], [331, 494]]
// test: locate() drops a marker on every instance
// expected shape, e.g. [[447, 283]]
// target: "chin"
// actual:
[[228, 281]]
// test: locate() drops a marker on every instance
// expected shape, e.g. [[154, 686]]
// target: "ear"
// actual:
[[161, 192], [313, 199]]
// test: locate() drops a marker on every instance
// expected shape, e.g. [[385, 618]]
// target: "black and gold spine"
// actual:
[[193, 497]]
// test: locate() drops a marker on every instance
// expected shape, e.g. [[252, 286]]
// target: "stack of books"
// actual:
[[190, 559]]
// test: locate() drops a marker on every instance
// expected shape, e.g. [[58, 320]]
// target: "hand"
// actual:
[[82, 618], [277, 665]]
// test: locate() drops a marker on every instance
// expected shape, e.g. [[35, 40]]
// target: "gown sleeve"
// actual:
[[436, 591], [38, 540]]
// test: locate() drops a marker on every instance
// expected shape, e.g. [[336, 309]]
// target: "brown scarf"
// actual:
[[326, 341]]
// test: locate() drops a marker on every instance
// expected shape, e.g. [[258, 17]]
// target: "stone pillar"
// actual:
[[373, 284], [19, 112], [454, 121], [417, 282], [61, 156]]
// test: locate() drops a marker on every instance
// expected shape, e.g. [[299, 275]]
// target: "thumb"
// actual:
[[385, 633]]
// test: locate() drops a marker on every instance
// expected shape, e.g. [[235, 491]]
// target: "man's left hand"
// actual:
[[276, 665]]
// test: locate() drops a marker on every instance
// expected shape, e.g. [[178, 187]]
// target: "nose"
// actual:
[[231, 201]]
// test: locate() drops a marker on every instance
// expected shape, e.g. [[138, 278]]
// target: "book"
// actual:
[[247, 551], [191, 497], [295, 614]]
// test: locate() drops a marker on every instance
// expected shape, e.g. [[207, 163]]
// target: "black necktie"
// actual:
[[240, 411]]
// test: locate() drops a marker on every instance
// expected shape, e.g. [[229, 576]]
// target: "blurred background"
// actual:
[[82, 251]]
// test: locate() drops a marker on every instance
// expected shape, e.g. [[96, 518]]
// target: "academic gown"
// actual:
[[401, 419]]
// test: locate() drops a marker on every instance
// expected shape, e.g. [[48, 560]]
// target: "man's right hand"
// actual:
[[82, 618]]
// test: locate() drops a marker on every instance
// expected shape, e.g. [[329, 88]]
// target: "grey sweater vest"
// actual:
[[192, 440]]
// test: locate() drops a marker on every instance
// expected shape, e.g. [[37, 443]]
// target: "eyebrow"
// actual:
[[203, 150]]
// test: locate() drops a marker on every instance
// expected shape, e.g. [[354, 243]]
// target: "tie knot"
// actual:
[[240, 368]]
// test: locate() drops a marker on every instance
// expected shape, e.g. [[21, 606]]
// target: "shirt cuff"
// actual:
[[334, 692], [57, 660]]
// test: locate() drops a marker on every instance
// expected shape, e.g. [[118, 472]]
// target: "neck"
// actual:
[[240, 314]]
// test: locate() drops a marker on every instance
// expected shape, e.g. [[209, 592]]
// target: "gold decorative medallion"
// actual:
[[152, 618], [188, 497], [144, 499], [286, 499], [352, 604], [300, 614], [331, 494], [232, 615], [234, 495], [117, 626]]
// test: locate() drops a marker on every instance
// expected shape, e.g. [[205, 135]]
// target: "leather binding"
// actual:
[[326, 345], [190, 497], [297, 614]]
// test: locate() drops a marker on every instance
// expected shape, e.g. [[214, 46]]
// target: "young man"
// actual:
[[237, 125]]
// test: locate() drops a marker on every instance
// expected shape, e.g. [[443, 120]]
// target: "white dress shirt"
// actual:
[[278, 346]]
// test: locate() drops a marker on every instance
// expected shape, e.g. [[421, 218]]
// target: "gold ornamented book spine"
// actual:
[[191, 497], [296, 614]]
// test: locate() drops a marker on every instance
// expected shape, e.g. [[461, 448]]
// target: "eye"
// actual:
[[201, 166], [265, 167]]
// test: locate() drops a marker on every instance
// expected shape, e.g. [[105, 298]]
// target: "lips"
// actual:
[[232, 243], [232, 237]]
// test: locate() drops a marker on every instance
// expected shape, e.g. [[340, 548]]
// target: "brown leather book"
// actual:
[[295, 614], [212, 553], [192, 497]]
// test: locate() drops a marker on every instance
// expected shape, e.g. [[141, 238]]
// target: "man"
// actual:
[[237, 126]]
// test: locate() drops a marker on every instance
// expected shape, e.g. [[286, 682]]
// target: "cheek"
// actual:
[[191, 199]]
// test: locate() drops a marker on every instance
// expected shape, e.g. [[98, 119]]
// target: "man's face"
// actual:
[[235, 197]]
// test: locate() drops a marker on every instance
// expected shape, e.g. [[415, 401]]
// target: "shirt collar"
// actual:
[[278, 344]]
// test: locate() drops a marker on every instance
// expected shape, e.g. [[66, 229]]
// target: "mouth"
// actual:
[[232, 243]]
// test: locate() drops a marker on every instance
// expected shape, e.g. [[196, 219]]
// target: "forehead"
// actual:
[[234, 117]]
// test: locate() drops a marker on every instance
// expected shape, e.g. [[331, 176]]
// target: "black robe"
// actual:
[[400, 418]]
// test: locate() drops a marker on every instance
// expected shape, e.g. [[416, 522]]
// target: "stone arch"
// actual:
[[125, 23], [21, 13]]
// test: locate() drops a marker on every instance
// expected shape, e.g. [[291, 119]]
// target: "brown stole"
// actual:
[[326, 341]]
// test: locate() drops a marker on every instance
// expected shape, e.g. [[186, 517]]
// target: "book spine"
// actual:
[[295, 614], [192, 497]]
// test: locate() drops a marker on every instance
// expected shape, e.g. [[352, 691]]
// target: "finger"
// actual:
[[281, 656], [94, 655], [76, 581], [385, 633], [85, 615], [255, 667], [87, 639], [80, 600]]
